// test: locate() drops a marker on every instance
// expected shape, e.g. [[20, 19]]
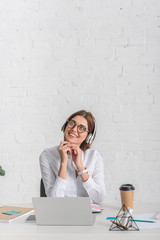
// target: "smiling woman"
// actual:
[[72, 169]]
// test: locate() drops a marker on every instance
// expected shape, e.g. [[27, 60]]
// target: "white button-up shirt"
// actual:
[[73, 186]]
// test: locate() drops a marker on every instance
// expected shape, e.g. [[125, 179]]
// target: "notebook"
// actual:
[[11, 213], [96, 208]]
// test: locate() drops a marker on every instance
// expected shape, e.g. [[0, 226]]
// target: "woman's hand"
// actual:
[[77, 156], [64, 150]]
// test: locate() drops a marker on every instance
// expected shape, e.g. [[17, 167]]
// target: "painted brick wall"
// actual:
[[57, 57]]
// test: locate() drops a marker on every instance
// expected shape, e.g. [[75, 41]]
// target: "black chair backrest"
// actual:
[[42, 189]]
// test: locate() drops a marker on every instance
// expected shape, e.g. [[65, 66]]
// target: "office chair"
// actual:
[[42, 189]]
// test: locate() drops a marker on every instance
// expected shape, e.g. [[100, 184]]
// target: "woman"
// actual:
[[72, 169]]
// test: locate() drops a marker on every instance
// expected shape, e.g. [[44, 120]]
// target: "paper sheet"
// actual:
[[147, 216]]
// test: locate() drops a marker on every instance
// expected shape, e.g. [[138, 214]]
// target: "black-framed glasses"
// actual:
[[80, 128]]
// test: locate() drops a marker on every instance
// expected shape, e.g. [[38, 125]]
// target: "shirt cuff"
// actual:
[[89, 184]]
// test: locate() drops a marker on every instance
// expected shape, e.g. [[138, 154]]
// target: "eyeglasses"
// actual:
[[80, 128]]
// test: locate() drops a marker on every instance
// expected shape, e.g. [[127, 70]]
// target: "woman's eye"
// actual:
[[82, 127], [72, 123]]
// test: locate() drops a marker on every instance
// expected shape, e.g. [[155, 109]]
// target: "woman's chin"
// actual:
[[71, 140]]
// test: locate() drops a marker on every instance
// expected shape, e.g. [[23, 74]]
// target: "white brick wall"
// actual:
[[57, 57]]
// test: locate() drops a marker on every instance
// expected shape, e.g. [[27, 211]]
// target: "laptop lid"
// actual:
[[63, 211]]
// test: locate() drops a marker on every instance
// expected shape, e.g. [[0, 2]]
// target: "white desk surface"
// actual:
[[20, 230]]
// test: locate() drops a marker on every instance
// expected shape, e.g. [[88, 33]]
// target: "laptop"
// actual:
[[61, 211]]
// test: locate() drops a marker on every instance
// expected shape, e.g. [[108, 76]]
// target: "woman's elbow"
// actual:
[[100, 197]]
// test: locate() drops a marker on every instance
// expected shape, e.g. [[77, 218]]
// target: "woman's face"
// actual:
[[72, 135]]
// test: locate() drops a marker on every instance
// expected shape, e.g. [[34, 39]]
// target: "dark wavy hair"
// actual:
[[91, 125]]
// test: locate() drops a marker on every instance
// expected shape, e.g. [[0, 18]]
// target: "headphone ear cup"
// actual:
[[89, 138]]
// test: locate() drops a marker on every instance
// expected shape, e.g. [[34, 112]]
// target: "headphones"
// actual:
[[90, 136]]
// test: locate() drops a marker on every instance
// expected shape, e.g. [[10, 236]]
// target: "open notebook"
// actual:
[[11, 213]]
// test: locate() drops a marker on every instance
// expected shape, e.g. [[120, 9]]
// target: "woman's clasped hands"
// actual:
[[66, 148]]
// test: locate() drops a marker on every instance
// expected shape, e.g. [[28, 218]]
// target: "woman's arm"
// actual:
[[63, 150], [95, 186], [54, 185]]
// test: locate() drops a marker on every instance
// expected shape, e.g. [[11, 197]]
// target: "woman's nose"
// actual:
[[75, 128]]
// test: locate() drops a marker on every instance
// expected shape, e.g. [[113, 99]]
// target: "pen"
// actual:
[[120, 225], [133, 220], [143, 221]]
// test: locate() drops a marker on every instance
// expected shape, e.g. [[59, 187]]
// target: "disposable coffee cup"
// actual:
[[127, 195]]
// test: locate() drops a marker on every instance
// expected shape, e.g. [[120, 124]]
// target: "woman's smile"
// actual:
[[72, 135]]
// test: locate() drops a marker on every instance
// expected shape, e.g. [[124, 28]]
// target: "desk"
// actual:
[[20, 230]]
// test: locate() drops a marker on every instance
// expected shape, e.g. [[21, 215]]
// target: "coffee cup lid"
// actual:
[[127, 187]]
